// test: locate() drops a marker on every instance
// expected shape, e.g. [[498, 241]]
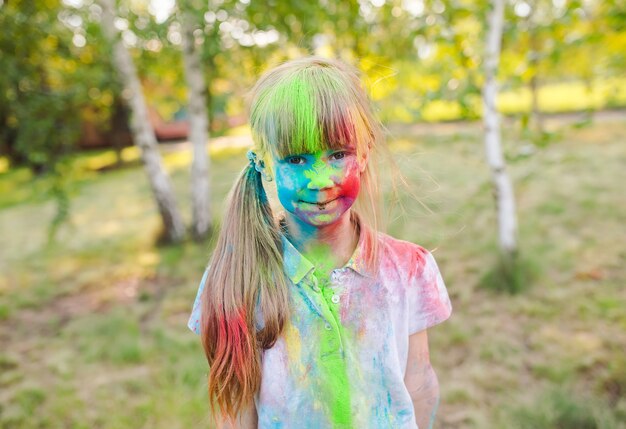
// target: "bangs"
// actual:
[[308, 111]]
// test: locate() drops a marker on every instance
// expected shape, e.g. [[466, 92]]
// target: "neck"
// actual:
[[327, 247]]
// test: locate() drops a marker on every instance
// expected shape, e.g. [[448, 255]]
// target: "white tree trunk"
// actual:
[[503, 189], [198, 132], [143, 133]]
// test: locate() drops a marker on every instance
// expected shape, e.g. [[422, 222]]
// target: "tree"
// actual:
[[36, 93], [538, 36], [502, 187], [198, 124], [41, 96], [142, 130]]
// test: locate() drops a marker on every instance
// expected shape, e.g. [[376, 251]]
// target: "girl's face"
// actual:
[[318, 188]]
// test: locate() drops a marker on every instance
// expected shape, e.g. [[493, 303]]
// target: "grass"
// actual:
[[560, 409], [93, 326], [511, 273]]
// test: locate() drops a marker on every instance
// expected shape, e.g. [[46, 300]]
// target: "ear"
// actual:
[[363, 161], [259, 166], [262, 168]]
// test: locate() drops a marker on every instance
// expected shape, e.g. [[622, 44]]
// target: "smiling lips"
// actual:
[[320, 204]]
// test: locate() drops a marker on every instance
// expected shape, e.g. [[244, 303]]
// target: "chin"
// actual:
[[318, 219]]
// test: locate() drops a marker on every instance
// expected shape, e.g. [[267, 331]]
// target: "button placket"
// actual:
[[315, 285], [319, 301], [323, 300], [332, 344], [338, 276], [338, 285]]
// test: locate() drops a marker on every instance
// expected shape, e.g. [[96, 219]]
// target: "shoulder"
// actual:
[[408, 259], [419, 281]]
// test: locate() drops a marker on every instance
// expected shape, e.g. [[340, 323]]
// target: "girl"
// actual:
[[312, 318]]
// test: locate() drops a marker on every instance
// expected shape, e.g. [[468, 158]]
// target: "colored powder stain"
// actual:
[[311, 305], [293, 344], [232, 330], [326, 217], [335, 387], [276, 424], [320, 176], [405, 415], [420, 263], [305, 113], [381, 415], [254, 181], [297, 95]]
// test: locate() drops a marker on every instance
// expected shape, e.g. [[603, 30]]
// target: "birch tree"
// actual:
[[143, 133], [502, 187], [198, 124]]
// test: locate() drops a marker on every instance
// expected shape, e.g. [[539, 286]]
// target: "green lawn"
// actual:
[[93, 330]]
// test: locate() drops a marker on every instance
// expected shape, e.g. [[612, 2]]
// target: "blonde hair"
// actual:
[[302, 106]]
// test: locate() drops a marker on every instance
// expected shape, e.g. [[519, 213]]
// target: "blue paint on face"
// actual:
[[317, 188]]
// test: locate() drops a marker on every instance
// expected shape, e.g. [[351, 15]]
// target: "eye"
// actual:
[[296, 160], [339, 155]]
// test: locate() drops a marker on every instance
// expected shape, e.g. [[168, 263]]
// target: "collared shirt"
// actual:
[[340, 361]]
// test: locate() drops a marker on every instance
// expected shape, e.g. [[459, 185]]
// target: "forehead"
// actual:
[[311, 111]]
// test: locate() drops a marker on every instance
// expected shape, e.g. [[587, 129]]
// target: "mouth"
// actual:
[[323, 205], [320, 203]]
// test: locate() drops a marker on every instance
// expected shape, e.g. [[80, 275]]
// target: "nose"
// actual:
[[319, 176], [320, 183]]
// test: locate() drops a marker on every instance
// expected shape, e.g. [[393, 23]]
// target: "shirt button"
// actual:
[[335, 299], [338, 277], [328, 326]]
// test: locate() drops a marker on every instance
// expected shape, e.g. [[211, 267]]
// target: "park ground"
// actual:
[[93, 323]]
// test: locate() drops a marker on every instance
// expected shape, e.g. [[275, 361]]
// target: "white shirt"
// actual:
[[340, 362]]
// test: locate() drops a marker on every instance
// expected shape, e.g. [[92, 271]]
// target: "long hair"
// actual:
[[304, 105]]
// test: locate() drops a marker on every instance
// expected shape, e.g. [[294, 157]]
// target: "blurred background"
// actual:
[[97, 275]]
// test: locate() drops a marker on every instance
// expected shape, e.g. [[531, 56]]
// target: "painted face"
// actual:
[[317, 188]]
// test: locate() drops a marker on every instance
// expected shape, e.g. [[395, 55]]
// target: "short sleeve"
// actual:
[[196, 312], [428, 300]]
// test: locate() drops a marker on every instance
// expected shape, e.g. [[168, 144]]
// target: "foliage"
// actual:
[[415, 54], [34, 86], [40, 89], [421, 60]]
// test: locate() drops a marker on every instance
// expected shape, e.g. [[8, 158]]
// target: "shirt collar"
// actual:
[[296, 266]]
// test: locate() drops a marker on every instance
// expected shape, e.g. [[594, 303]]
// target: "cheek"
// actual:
[[287, 183], [351, 183]]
